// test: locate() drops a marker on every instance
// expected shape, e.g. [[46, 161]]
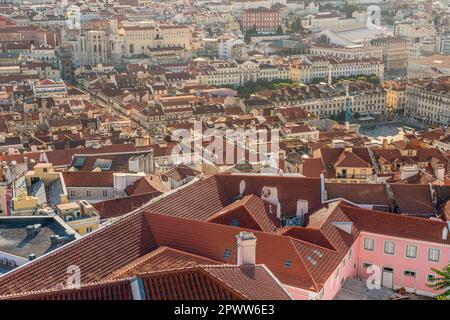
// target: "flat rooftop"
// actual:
[[14, 239]]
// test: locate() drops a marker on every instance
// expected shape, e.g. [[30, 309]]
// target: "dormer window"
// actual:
[[235, 223], [288, 263], [227, 253]]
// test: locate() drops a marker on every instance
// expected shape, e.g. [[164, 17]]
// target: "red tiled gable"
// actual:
[[93, 179], [332, 156], [250, 207], [255, 282], [389, 155], [310, 235], [351, 160], [180, 172], [211, 240], [430, 153], [140, 186], [328, 260]]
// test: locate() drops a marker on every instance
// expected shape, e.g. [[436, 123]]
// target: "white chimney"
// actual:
[[302, 208], [445, 233], [408, 171], [137, 290], [241, 187], [440, 173], [279, 210], [322, 188], [246, 248]]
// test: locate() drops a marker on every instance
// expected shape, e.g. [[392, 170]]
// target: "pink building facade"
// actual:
[[401, 262], [395, 263]]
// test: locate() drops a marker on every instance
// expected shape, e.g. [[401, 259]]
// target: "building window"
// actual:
[[366, 265], [105, 193], [88, 194], [409, 273], [389, 247], [369, 244], [72, 193], [235, 223], [433, 255], [88, 229], [431, 278], [288, 263], [411, 251], [350, 254]]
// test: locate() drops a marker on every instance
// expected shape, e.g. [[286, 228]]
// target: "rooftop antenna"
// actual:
[[347, 105]]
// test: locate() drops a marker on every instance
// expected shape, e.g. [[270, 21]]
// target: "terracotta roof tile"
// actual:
[[396, 225], [117, 207], [413, 199], [358, 193], [162, 258], [91, 179]]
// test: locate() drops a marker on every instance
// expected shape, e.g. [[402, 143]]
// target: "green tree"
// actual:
[[296, 25], [249, 34], [279, 30], [348, 9], [442, 282]]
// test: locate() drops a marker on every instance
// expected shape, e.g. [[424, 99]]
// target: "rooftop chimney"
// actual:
[[445, 233], [246, 248], [322, 188], [302, 208], [241, 187], [279, 210]]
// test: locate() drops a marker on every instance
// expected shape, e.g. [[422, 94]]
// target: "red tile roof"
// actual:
[[91, 179], [140, 186], [211, 240], [313, 167], [97, 255], [413, 199], [105, 290], [202, 282], [299, 257], [250, 207], [396, 225], [358, 193], [351, 160], [117, 207], [64, 157], [163, 258]]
